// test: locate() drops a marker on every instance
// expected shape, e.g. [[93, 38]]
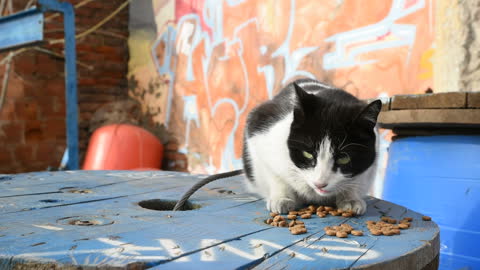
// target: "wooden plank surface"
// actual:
[[450, 100], [430, 118], [227, 230]]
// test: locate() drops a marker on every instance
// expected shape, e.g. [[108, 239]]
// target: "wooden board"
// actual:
[[430, 118], [227, 229], [451, 100]]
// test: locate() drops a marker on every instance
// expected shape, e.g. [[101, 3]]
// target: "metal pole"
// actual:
[[70, 77]]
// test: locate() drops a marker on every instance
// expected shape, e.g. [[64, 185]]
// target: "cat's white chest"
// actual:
[[269, 150]]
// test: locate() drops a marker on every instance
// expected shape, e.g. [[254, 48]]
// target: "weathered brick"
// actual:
[[56, 128], [34, 131], [7, 112], [171, 147], [54, 87], [25, 152], [12, 132], [6, 156], [27, 109]]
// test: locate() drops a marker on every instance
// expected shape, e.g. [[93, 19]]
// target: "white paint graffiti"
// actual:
[[378, 36]]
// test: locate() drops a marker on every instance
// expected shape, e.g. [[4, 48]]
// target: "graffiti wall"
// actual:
[[200, 66]]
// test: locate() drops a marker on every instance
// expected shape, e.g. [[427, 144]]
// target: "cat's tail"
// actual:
[[181, 203]]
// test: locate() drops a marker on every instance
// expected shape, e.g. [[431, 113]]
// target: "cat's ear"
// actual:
[[301, 94], [368, 116], [298, 111]]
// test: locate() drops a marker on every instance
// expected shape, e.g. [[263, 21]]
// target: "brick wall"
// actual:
[[32, 118]]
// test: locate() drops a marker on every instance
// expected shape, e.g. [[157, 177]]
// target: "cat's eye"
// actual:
[[343, 160], [307, 155]]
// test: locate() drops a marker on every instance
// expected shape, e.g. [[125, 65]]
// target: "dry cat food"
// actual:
[[426, 218], [342, 231], [306, 216], [356, 232], [388, 226], [298, 227]]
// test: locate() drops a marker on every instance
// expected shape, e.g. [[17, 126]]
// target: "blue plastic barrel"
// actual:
[[439, 176]]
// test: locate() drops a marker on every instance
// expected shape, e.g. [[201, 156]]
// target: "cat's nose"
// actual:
[[320, 186]]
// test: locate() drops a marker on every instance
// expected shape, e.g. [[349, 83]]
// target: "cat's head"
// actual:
[[332, 138]]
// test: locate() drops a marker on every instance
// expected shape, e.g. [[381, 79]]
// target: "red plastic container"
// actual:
[[123, 147]]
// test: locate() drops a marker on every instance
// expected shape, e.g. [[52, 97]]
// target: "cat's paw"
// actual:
[[358, 206], [281, 205]]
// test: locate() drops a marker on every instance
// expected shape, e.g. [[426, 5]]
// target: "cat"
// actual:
[[311, 144]]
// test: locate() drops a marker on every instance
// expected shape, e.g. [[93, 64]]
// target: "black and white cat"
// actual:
[[311, 144]]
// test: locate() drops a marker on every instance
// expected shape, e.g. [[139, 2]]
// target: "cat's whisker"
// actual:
[[341, 144], [355, 144]]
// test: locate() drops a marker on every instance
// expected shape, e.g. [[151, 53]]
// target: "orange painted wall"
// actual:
[[209, 62]]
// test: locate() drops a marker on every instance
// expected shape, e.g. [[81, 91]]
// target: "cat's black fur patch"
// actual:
[[319, 111]]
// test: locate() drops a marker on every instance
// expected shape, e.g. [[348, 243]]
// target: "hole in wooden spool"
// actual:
[[50, 201], [85, 221], [166, 205]]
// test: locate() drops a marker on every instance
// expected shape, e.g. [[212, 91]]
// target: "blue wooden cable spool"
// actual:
[[438, 173]]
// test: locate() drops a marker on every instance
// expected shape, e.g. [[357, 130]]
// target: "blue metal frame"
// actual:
[[70, 77], [21, 29], [26, 28]]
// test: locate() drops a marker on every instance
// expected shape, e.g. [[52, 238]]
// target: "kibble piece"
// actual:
[[320, 208], [392, 221], [385, 219], [368, 222], [298, 230], [327, 228], [336, 228], [375, 232], [283, 223], [331, 232], [357, 233], [306, 216], [292, 223], [395, 231], [298, 222], [345, 229], [278, 218], [403, 226], [341, 211], [269, 221], [328, 208], [273, 214], [426, 218], [292, 217], [387, 232], [274, 224], [341, 234], [347, 214], [408, 219], [312, 208], [321, 214], [334, 213]]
